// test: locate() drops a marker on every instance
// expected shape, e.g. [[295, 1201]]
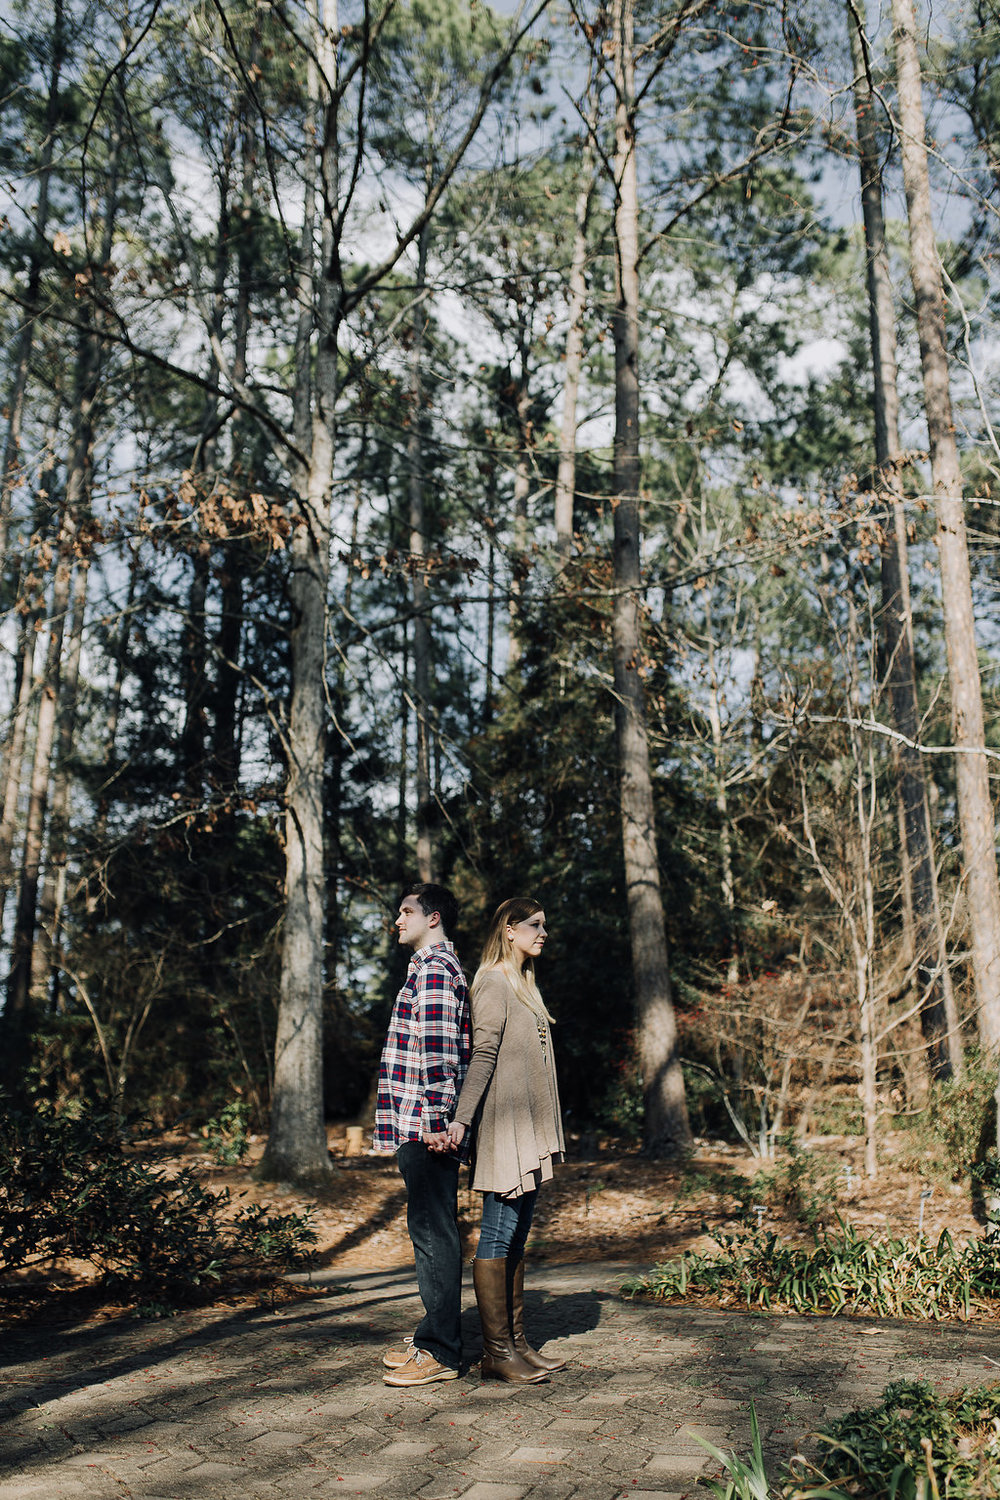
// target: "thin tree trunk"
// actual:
[[296, 1146], [418, 554], [18, 982], [195, 675], [665, 1128], [522, 489], [45, 966], [225, 758], [573, 358], [87, 386], [114, 706], [491, 575], [726, 876], [16, 399], [938, 1015], [976, 816], [24, 688]]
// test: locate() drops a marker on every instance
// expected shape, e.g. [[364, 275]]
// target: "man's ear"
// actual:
[[434, 920]]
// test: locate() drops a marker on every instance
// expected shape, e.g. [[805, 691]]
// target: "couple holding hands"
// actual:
[[454, 1086]]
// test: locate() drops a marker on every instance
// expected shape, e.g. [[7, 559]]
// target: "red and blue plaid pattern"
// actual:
[[426, 1052]]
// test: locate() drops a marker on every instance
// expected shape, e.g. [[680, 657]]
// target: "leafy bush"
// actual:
[[272, 1239], [227, 1134], [959, 1123], [802, 1184], [71, 1184], [840, 1273], [914, 1445]]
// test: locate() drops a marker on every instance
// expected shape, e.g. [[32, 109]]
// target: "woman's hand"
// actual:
[[456, 1134]]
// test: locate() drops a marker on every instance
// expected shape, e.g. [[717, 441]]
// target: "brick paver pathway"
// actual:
[[224, 1405]]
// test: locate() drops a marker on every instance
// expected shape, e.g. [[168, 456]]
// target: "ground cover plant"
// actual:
[[78, 1184], [916, 1444], [841, 1271]]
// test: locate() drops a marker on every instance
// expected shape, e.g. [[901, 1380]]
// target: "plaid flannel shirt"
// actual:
[[426, 1052]]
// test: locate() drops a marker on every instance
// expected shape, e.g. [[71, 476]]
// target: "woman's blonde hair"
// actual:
[[498, 953]]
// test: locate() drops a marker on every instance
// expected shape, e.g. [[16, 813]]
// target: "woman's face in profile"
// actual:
[[527, 938]]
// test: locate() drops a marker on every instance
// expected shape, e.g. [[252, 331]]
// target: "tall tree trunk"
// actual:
[[113, 703], [43, 172], [975, 807], [938, 1014], [726, 875], [78, 470], [195, 675], [665, 1128], [18, 983], [225, 755], [418, 554], [573, 357], [45, 967], [296, 1146]]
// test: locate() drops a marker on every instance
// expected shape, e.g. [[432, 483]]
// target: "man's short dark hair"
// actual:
[[435, 898]]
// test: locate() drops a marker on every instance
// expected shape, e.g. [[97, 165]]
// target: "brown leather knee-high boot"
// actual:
[[524, 1349], [501, 1360]]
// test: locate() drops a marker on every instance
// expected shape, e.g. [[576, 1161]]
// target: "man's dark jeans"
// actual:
[[431, 1180]]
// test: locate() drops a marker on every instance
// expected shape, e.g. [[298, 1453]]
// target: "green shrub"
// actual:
[[959, 1123], [917, 1440], [227, 1134], [803, 1184], [840, 1272], [916, 1444], [72, 1184]]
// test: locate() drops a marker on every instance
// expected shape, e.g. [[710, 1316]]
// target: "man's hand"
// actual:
[[436, 1140], [455, 1134]]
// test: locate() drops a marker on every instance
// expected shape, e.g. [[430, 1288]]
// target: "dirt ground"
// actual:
[[612, 1202], [605, 1202]]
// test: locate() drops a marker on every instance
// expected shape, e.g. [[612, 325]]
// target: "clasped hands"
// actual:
[[443, 1141]]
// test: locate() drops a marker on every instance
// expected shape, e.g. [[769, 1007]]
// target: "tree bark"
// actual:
[[938, 1015], [15, 401], [45, 966], [573, 357], [976, 816], [296, 1146], [18, 983], [418, 554], [665, 1126]]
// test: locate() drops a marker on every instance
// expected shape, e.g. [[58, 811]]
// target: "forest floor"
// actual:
[[606, 1203], [612, 1202]]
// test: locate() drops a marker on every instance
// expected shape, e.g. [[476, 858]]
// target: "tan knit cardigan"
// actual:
[[511, 1083]]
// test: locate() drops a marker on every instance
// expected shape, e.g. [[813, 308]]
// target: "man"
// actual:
[[424, 1061]]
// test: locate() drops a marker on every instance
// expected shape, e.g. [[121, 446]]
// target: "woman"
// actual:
[[510, 1093]]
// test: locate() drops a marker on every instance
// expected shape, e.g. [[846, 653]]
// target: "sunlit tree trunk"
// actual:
[[296, 1146], [573, 356], [665, 1127], [45, 968], [976, 816], [22, 944], [938, 1014], [78, 470], [418, 554]]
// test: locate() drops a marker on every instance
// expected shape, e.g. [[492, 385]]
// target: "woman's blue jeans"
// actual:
[[504, 1230]]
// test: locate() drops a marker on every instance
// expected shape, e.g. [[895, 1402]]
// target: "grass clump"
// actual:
[[73, 1184], [916, 1444], [840, 1272]]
